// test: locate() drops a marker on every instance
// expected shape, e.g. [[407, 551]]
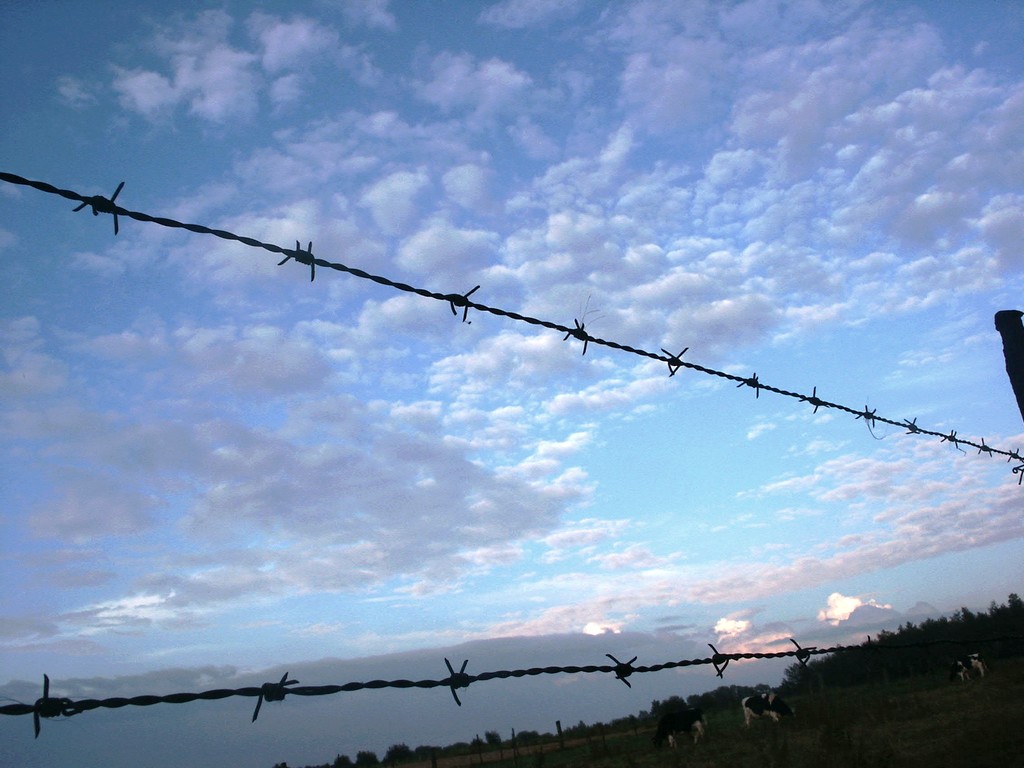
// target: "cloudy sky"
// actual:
[[213, 467]]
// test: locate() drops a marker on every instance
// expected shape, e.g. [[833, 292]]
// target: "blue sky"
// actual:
[[211, 463]]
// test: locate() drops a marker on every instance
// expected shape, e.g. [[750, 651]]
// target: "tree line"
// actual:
[[958, 631]]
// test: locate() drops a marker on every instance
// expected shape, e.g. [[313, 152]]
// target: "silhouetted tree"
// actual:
[[366, 757], [493, 739], [397, 753]]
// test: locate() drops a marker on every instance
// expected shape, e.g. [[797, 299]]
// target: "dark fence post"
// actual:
[[561, 738], [1008, 323]]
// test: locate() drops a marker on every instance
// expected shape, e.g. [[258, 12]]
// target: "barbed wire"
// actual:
[[48, 706], [456, 301]]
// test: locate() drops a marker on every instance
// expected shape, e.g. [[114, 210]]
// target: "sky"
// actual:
[[215, 470]]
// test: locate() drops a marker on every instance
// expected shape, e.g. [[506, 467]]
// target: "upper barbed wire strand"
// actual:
[[106, 205]]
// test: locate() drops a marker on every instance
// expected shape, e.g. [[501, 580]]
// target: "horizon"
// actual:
[[707, 354]]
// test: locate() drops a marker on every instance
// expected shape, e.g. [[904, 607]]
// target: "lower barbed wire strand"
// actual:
[[69, 707]]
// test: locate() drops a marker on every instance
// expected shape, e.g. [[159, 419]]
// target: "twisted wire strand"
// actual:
[[49, 707], [101, 204]]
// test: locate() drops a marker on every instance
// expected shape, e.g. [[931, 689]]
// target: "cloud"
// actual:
[[841, 608], [446, 253], [215, 80], [392, 200], [218, 81], [75, 92], [726, 627], [601, 628], [27, 370], [289, 45], [373, 14], [483, 88], [521, 14]]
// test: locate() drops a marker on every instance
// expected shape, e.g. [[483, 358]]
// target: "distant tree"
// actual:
[[342, 761], [397, 753], [424, 751], [1014, 603], [366, 757], [493, 739]]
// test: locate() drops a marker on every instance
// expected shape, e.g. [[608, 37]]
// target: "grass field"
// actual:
[[918, 723]]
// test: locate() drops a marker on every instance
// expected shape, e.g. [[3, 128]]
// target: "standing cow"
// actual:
[[967, 666], [683, 721], [765, 705]]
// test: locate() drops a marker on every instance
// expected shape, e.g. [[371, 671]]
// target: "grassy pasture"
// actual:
[[925, 722]]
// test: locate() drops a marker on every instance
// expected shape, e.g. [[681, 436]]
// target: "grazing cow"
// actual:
[[684, 721], [765, 705], [965, 667]]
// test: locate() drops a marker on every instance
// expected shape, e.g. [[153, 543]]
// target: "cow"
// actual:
[[765, 705], [681, 721], [965, 667]]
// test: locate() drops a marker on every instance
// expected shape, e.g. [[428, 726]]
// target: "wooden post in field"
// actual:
[[515, 749], [1008, 323], [561, 738], [433, 758]]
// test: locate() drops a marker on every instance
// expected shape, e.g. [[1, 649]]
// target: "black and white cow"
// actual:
[[683, 721], [967, 666], [765, 705]]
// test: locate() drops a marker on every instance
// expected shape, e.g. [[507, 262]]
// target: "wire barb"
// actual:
[[813, 399], [623, 669], [752, 382], [303, 257], [719, 658], [952, 438], [868, 416], [803, 654], [101, 204], [461, 300], [49, 706], [579, 332], [457, 679], [272, 692], [675, 362]]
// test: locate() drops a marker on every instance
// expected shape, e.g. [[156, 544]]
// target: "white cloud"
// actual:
[[729, 628], [602, 627], [520, 14], [447, 254], [217, 81], [290, 44], [673, 87], [841, 607], [27, 370], [75, 92], [468, 185], [374, 14], [393, 200], [483, 88]]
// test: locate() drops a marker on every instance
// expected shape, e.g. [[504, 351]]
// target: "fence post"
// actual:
[[1008, 323], [561, 738]]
